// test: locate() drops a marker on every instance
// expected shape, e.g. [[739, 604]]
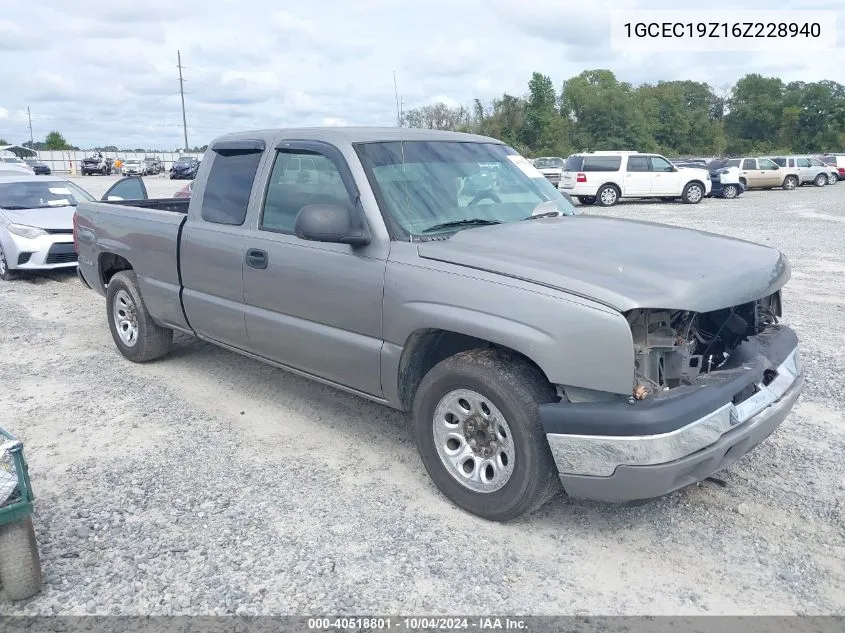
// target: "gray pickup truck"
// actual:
[[441, 274]]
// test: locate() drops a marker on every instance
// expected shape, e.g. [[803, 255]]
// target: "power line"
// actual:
[[29, 116], [398, 108], [182, 94]]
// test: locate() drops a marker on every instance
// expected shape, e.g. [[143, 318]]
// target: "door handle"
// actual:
[[256, 258]]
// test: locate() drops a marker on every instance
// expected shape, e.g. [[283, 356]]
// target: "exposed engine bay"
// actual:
[[672, 348]]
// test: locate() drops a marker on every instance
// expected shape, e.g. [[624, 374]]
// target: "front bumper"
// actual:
[[41, 253], [671, 441]]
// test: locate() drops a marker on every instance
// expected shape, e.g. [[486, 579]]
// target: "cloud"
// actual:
[[104, 72]]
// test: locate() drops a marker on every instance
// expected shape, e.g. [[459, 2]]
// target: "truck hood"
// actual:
[[623, 264], [48, 218]]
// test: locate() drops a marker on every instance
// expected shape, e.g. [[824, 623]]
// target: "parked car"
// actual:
[[154, 165], [11, 163], [36, 223], [551, 167], [184, 168], [527, 361], [725, 181], [838, 161], [807, 172], [606, 177], [764, 173], [134, 167], [38, 167], [184, 192], [96, 164], [831, 170]]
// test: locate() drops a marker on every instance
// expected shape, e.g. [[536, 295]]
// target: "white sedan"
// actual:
[[36, 223]]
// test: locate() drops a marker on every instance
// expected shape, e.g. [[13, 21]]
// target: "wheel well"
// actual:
[[605, 184], [110, 265], [695, 182], [425, 348]]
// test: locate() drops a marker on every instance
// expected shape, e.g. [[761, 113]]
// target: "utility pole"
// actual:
[[182, 93], [398, 108], [31, 142]]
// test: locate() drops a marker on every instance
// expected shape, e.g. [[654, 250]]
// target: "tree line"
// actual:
[[56, 141], [596, 111]]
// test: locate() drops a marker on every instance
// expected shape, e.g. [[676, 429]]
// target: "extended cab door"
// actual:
[[638, 177], [314, 306], [213, 242]]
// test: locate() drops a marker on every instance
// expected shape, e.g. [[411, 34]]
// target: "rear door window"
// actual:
[[780, 161], [639, 163], [227, 190], [749, 163], [803, 162]]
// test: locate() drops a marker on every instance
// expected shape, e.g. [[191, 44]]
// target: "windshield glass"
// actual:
[[549, 163], [423, 184], [41, 194]]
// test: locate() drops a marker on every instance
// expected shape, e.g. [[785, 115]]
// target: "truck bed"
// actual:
[[176, 205]]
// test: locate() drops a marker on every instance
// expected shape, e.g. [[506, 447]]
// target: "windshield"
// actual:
[[423, 184], [549, 163], [41, 194]]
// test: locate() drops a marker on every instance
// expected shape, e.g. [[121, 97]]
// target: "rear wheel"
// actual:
[[820, 180], [587, 200], [832, 179], [137, 336], [608, 195], [693, 193], [477, 428], [730, 191], [790, 182]]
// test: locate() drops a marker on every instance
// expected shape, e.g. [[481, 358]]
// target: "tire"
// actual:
[[790, 183], [587, 200], [5, 273], [511, 389], [693, 193], [832, 179], [730, 191], [20, 568], [607, 195], [137, 336], [820, 180]]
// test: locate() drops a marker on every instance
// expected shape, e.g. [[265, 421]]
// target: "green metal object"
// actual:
[[13, 465]]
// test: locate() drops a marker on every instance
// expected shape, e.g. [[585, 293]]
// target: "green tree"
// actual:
[[541, 115], [756, 111], [4, 141], [55, 140]]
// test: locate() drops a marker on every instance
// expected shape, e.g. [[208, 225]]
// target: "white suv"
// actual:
[[605, 177]]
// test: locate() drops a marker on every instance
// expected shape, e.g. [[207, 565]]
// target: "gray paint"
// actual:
[[550, 289]]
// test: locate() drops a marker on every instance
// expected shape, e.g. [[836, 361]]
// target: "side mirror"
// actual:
[[332, 223]]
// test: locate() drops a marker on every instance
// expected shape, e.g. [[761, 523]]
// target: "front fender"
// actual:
[[574, 341]]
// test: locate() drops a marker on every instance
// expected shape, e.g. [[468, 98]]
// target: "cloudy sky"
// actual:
[[104, 72]]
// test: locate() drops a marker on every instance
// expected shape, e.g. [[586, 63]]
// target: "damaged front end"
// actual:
[[672, 348]]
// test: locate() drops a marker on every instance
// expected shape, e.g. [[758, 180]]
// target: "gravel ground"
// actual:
[[208, 483]]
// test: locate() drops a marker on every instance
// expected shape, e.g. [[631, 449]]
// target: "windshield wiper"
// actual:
[[14, 207], [457, 223]]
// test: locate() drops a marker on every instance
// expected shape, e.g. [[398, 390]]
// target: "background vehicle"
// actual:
[[185, 167], [154, 166], [838, 161], [831, 170], [725, 182], [96, 164], [134, 167], [36, 223], [807, 171], [11, 163], [488, 316], [763, 173], [40, 169], [606, 177], [551, 167]]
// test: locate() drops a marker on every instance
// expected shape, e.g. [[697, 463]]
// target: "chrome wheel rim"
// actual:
[[125, 318], [2, 262], [608, 196], [789, 184], [473, 441], [694, 193], [831, 180], [730, 192], [821, 180]]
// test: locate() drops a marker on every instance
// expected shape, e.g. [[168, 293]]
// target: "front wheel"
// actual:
[[693, 193], [730, 191], [820, 180], [5, 273], [20, 567], [832, 179], [790, 182], [587, 200], [137, 336], [477, 428]]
